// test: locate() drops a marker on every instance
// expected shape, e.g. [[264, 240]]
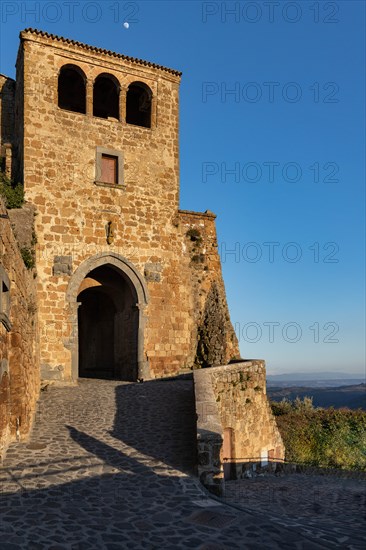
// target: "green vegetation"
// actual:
[[327, 438], [13, 194], [28, 257]]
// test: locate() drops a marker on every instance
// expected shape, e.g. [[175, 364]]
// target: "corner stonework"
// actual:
[[236, 430]]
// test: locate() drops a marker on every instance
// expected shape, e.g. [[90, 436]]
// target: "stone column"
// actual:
[[72, 343], [143, 367], [122, 104], [89, 97]]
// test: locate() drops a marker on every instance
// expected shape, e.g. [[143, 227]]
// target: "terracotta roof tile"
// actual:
[[99, 50]]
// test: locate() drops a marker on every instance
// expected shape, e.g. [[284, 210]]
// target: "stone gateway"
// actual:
[[124, 276], [121, 284]]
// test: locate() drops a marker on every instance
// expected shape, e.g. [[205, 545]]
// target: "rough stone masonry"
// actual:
[[126, 285], [160, 269]]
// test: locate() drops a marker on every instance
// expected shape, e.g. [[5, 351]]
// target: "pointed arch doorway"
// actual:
[[107, 298]]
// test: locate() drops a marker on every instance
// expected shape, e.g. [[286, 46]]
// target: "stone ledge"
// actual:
[[119, 186], [206, 214]]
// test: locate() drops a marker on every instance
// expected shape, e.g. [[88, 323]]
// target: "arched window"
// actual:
[[72, 89], [106, 96], [138, 104]]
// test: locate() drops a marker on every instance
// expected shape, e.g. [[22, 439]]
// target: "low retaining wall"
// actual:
[[236, 430]]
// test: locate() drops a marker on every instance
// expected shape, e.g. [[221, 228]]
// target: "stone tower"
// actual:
[[128, 285]]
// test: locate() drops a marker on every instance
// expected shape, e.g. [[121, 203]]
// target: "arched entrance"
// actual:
[[108, 325], [107, 297]]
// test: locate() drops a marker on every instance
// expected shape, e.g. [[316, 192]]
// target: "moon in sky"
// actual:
[[126, 25]]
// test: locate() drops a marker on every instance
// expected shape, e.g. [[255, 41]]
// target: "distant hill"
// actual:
[[351, 396], [324, 375], [315, 379]]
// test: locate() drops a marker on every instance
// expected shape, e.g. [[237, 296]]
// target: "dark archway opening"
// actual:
[[106, 97], [138, 105], [72, 89], [108, 325]]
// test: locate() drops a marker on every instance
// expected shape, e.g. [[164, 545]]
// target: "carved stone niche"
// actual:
[[152, 272], [62, 265]]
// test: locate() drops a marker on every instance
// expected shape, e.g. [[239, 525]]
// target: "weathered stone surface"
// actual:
[[110, 465], [62, 265], [49, 372], [212, 338], [152, 272], [22, 221], [233, 397], [209, 434], [7, 111], [19, 371], [174, 251]]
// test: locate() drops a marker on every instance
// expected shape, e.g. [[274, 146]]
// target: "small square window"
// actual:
[[109, 167]]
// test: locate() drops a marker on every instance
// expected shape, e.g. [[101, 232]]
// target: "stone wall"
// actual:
[[7, 114], [232, 407], [19, 369], [7, 110], [209, 434], [213, 337], [58, 159], [240, 391]]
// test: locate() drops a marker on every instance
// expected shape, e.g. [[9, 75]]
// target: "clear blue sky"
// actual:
[[280, 160]]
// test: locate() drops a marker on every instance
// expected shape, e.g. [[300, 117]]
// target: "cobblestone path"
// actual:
[[110, 465], [329, 508]]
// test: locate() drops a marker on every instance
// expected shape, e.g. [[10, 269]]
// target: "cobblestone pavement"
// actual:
[[329, 508], [110, 465]]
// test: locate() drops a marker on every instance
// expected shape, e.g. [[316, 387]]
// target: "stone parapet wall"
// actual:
[[232, 407], [19, 372], [240, 391]]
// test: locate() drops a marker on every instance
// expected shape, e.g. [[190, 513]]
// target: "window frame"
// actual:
[[100, 151], [145, 87], [78, 70], [117, 87], [5, 300], [113, 168]]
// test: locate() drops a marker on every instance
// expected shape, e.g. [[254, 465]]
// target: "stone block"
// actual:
[[62, 265], [51, 373]]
